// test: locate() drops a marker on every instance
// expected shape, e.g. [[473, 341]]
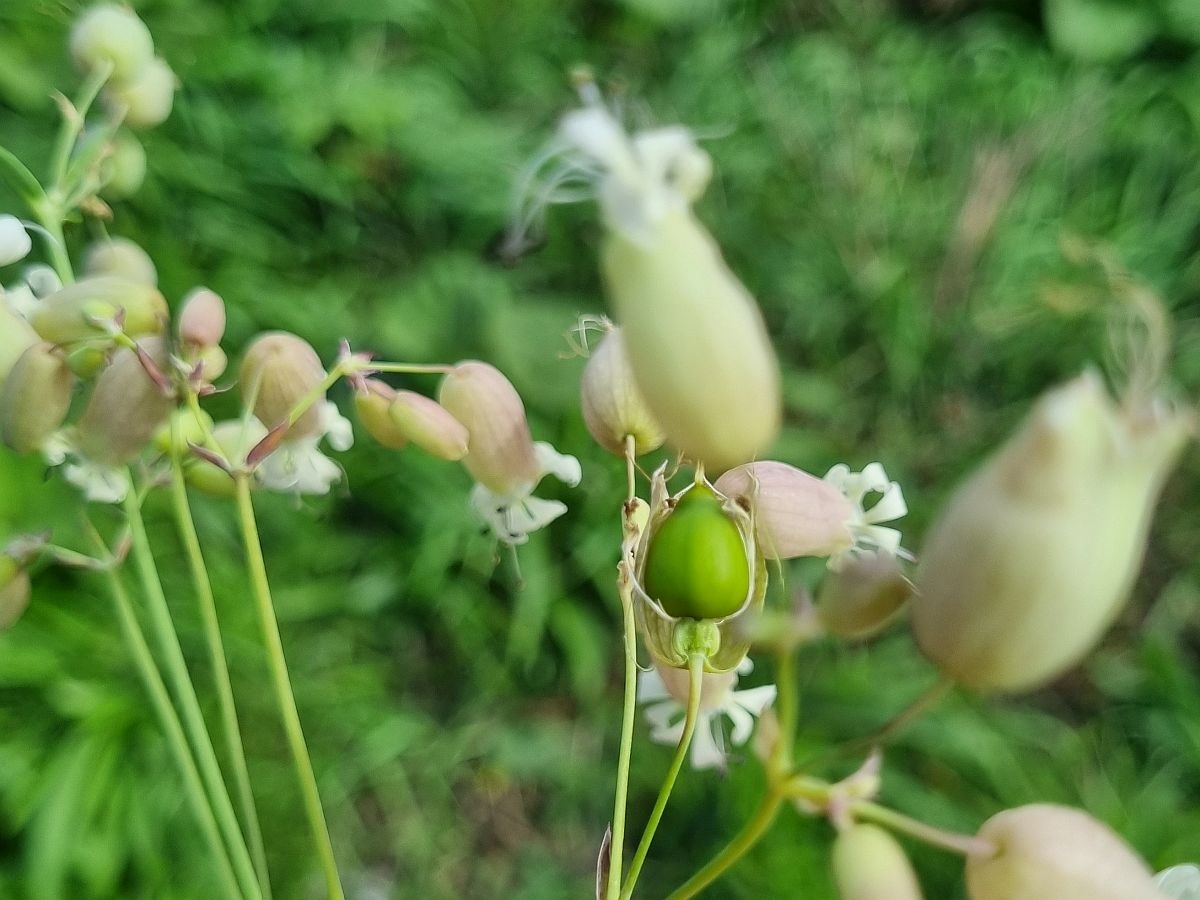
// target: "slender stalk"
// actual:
[[185, 694], [220, 666], [283, 688], [966, 844], [627, 724], [750, 834], [695, 684], [72, 124], [169, 719], [788, 706], [408, 368]]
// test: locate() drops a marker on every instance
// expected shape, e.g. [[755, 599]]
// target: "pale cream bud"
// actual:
[[795, 513], [126, 407], [429, 425], [16, 336], [14, 591], [124, 170], [868, 864], [1056, 852], [78, 311], [145, 99], [863, 596], [613, 406], [202, 318], [1036, 552], [500, 454], [278, 371], [36, 397], [696, 341], [111, 34], [121, 257], [15, 242], [372, 406]]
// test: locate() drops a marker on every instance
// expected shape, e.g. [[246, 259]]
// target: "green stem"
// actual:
[[695, 686], [627, 724], [408, 368], [283, 688], [750, 834], [176, 740], [966, 844], [220, 666], [788, 711], [72, 124], [185, 693]]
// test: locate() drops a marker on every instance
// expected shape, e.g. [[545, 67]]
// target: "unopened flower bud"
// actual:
[[613, 406], [126, 407], [869, 864], [795, 513], [184, 427], [1036, 552], [124, 170], [696, 341], [15, 242], [202, 318], [697, 566], [112, 34], [120, 257], [429, 425], [278, 371], [36, 397], [372, 406], [500, 454], [1045, 850], [14, 591], [81, 310], [15, 338], [863, 596], [145, 99]]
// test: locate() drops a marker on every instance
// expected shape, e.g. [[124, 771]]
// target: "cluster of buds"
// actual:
[[139, 87]]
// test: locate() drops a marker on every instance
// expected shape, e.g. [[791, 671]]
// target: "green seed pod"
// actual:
[[278, 371], [126, 408], [123, 258], [372, 407], [429, 425], [235, 439], [863, 596], [696, 558], [868, 864], [1055, 851], [181, 429], [14, 592], [696, 342], [15, 338], [124, 170], [612, 404], [86, 360], [147, 99], [36, 398], [112, 34], [696, 564], [1036, 552], [70, 314]]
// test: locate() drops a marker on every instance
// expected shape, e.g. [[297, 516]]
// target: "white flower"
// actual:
[[865, 526], [511, 517], [298, 466], [666, 690], [1179, 882], [100, 483], [15, 242]]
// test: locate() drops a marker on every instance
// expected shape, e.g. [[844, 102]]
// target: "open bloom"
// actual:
[[866, 523], [501, 455], [665, 691], [298, 465]]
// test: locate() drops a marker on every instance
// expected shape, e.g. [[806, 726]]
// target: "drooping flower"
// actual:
[[866, 525], [664, 690], [501, 455]]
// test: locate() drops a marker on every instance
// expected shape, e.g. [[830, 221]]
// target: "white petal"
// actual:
[[100, 484], [338, 430], [15, 242], [562, 466], [595, 133], [298, 467], [42, 280], [743, 723], [891, 506], [754, 700], [666, 722], [706, 750], [510, 520], [650, 687], [887, 539], [745, 667]]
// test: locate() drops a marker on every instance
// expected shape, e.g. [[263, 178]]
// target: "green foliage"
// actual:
[[907, 198]]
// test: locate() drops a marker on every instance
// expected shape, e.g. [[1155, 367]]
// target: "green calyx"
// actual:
[[697, 566]]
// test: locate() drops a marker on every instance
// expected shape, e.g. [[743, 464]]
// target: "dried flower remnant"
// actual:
[[664, 690], [612, 404], [694, 336], [506, 463], [1043, 850], [1036, 552]]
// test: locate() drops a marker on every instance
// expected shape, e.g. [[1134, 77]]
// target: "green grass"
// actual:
[[342, 169]]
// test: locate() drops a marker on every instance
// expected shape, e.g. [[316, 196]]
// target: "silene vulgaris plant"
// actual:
[[1022, 572]]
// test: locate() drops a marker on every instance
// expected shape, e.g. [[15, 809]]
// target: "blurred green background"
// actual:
[[905, 186]]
